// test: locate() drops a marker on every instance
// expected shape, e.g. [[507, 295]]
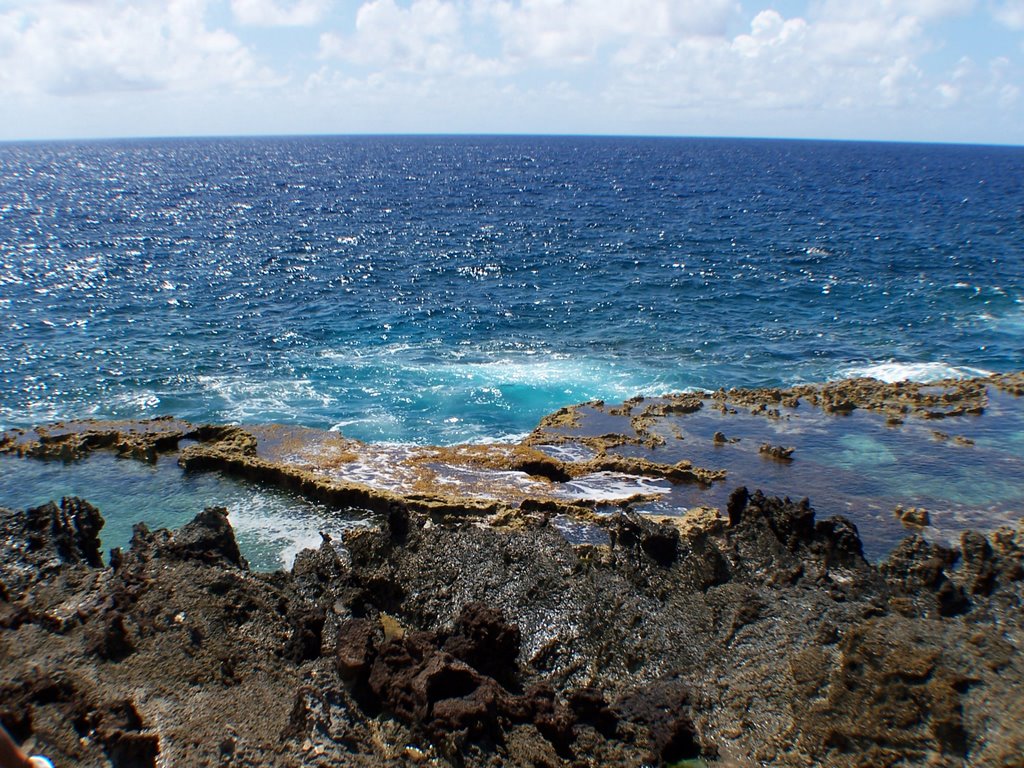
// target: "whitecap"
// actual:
[[267, 529], [893, 371], [142, 401], [246, 399], [489, 371]]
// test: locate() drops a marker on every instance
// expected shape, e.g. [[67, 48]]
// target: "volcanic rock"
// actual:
[[770, 640]]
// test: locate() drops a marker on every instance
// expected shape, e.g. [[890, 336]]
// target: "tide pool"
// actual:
[[271, 525]]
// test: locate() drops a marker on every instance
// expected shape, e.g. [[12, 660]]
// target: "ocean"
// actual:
[[438, 290]]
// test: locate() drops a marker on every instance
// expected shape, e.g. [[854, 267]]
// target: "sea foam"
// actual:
[[893, 371]]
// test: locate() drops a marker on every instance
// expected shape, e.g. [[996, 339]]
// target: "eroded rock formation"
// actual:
[[763, 638]]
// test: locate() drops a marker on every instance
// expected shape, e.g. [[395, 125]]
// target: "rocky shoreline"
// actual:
[[762, 637], [465, 627], [641, 442]]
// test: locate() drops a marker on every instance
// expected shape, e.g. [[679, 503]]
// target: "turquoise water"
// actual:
[[967, 471], [271, 526]]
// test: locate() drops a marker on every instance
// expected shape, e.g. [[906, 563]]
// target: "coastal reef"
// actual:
[[326, 467], [761, 636], [860, 448]]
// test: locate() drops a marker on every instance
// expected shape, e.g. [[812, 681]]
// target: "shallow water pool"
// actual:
[[271, 525]]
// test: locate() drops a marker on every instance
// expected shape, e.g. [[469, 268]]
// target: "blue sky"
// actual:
[[918, 70]]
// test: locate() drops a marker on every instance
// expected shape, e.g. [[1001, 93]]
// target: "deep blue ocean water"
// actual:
[[446, 289]]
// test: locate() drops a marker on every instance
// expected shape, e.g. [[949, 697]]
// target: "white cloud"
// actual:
[[768, 32], [845, 56], [925, 10], [271, 13], [569, 32], [969, 86], [1010, 13], [70, 48], [899, 83], [509, 65], [646, 62], [424, 38], [1004, 82]]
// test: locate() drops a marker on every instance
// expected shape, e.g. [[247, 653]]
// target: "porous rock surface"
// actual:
[[766, 639]]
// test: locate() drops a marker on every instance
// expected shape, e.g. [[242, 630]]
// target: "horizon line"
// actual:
[[496, 135]]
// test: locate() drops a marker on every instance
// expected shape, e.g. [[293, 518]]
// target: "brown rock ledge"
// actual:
[[324, 478]]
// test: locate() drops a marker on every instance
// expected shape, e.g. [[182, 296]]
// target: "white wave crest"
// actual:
[[269, 531], [893, 371], [247, 399], [484, 375]]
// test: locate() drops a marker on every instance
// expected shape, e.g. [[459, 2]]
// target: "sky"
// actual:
[[903, 70]]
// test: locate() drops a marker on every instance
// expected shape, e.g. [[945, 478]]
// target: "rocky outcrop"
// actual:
[[172, 645], [935, 400], [761, 638], [777, 452]]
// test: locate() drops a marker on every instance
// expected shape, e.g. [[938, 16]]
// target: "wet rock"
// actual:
[[17, 721], [307, 634], [438, 684], [543, 466], [423, 686], [888, 697], [792, 524], [563, 418], [980, 564], [663, 709], [777, 452], [318, 572], [132, 750], [737, 504], [682, 472], [590, 706], [458, 644], [226, 437], [398, 522], [208, 538], [446, 684], [1012, 383], [120, 729], [553, 720], [176, 618], [840, 542], [913, 517], [705, 564], [356, 648], [916, 565], [459, 700]]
